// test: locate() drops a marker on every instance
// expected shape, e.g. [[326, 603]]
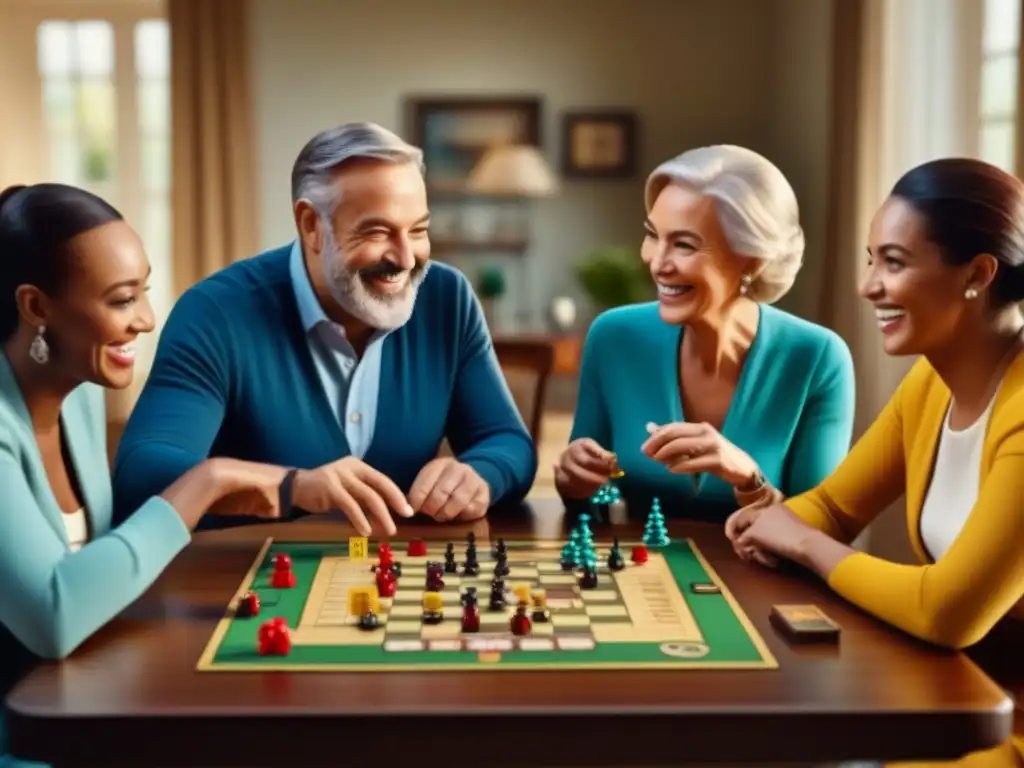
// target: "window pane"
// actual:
[[999, 86], [155, 231], [152, 48], [154, 107], [60, 105], [997, 144], [97, 107], [64, 159], [95, 42], [1002, 25], [53, 40], [97, 116], [156, 164]]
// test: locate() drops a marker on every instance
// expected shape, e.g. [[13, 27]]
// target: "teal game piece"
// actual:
[[655, 533]]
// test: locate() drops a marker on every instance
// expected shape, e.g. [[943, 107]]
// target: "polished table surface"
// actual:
[[130, 695]]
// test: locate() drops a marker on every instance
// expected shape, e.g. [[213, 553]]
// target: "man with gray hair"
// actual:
[[346, 356]]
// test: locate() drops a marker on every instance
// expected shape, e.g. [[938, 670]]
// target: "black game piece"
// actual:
[[498, 600], [616, 562], [702, 588], [589, 578], [472, 566], [450, 566], [568, 561], [468, 596], [500, 550], [369, 621], [501, 567], [435, 579], [433, 617]]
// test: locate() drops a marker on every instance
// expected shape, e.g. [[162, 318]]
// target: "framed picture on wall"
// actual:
[[599, 144], [455, 132]]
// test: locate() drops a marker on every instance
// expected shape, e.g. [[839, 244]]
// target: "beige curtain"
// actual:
[[214, 190], [901, 94]]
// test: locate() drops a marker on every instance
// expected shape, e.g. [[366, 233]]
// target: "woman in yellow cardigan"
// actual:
[[945, 275]]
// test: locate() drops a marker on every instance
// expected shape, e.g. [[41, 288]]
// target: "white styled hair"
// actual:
[[314, 168], [757, 209]]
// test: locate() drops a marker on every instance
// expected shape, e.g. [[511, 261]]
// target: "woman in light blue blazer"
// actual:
[[72, 303]]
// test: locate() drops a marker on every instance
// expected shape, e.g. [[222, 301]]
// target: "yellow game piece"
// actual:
[[362, 600], [357, 547], [432, 602], [522, 593], [617, 471], [540, 606]]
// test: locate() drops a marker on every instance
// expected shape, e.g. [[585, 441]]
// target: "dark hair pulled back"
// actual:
[[37, 225], [972, 207]]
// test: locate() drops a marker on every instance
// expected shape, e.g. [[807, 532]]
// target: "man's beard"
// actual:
[[349, 289]]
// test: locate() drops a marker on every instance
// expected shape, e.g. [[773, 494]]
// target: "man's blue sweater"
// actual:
[[234, 376]]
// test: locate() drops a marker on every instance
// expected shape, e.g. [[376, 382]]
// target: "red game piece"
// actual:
[[386, 558], [249, 605], [386, 583], [282, 562], [274, 638], [520, 623], [282, 579], [640, 554], [417, 548], [470, 618]]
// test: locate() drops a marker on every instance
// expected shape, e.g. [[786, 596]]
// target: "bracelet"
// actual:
[[285, 492]]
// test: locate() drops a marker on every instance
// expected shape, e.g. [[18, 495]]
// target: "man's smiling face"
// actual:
[[376, 252]]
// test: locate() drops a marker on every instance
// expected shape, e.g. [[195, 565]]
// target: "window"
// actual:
[[999, 92], [105, 96]]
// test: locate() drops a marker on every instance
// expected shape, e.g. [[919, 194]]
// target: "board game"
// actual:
[[421, 606]]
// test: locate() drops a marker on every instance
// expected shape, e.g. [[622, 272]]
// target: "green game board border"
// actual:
[[724, 626]]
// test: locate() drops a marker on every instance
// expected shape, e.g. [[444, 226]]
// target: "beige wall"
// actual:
[[752, 72]]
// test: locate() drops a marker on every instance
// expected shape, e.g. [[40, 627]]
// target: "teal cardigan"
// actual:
[[792, 411], [53, 599]]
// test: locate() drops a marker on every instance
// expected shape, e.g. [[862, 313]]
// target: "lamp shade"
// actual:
[[514, 169]]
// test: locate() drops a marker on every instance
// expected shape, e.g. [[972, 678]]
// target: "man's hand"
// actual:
[[353, 487], [446, 490]]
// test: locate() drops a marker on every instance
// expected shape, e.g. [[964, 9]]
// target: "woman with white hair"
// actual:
[[710, 398]]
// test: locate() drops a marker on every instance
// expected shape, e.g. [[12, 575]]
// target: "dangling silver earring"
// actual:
[[745, 282], [40, 350], [970, 293]]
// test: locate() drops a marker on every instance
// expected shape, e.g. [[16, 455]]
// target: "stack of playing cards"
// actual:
[[804, 623]]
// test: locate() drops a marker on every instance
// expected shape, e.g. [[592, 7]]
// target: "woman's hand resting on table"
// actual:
[[766, 532]]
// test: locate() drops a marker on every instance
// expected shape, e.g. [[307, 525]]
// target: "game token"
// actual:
[[248, 606], [804, 623], [520, 622], [705, 588], [273, 638]]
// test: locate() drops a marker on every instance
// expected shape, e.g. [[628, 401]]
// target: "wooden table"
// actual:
[[130, 695]]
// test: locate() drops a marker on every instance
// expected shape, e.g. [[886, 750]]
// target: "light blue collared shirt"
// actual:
[[352, 386]]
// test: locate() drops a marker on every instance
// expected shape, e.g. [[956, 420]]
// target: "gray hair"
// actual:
[[314, 169], [757, 209]]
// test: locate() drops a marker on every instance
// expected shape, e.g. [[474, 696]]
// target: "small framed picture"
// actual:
[[599, 144]]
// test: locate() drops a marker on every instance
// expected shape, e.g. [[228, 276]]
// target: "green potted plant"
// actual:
[[491, 286], [614, 275]]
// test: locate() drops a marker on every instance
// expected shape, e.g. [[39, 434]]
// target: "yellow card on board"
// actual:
[[357, 548]]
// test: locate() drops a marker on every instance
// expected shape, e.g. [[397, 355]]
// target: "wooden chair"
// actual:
[[527, 362]]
